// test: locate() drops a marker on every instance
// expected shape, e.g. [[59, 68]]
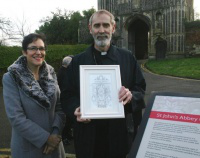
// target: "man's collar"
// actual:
[[112, 53]]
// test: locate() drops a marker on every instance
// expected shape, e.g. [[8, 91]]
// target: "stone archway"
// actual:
[[138, 27]]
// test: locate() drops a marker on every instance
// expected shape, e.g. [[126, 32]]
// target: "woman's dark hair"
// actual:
[[32, 38]]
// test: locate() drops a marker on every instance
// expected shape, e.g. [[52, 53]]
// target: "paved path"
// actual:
[[154, 83], [169, 84]]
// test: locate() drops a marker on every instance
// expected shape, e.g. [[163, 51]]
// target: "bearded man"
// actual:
[[103, 138]]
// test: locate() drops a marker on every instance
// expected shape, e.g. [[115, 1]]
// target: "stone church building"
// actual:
[[150, 28]]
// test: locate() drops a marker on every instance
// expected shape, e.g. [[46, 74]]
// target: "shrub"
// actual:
[[8, 55], [54, 55], [192, 25]]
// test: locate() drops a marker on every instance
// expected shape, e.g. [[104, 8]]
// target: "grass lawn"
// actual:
[[186, 68]]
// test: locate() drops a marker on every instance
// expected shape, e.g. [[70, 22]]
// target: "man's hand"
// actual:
[[125, 95], [77, 113], [52, 143]]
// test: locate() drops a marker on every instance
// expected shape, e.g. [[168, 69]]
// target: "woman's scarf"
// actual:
[[41, 91]]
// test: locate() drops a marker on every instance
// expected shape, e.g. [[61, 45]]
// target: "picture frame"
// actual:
[[99, 87]]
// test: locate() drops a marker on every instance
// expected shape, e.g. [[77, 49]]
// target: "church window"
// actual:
[[159, 20]]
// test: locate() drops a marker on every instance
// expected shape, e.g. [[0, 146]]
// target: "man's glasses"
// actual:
[[41, 49]]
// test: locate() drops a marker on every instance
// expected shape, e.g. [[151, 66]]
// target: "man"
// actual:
[[103, 138], [62, 72], [67, 131]]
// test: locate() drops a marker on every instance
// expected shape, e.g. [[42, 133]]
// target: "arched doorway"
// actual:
[[161, 48], [138, 29]]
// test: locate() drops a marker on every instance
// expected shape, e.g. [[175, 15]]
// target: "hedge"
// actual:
[[54, 55], [192, 25], [8, 55]]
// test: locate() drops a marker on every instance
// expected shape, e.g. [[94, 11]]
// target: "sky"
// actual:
[[197, 6], [35, 10]]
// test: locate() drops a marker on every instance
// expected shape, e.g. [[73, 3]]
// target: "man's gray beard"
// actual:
[[102, 43]]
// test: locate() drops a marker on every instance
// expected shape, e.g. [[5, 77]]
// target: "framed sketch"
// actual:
[[99, 87]]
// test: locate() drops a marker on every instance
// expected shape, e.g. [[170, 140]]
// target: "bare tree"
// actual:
[[12, 32], [5, 30], [5, 25], [22, 27]]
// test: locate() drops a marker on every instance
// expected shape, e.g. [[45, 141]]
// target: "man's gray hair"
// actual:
[[66, 61], [112, 18]]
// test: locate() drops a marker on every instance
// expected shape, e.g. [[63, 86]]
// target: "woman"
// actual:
[[31, 97]]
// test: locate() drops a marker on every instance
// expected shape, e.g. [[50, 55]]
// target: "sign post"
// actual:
[[170, 127]]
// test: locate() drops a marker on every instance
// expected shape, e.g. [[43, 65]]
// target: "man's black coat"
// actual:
[[131, 78]]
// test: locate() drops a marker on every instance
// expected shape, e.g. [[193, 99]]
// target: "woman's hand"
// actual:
[[52, 143], [48, 149]]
